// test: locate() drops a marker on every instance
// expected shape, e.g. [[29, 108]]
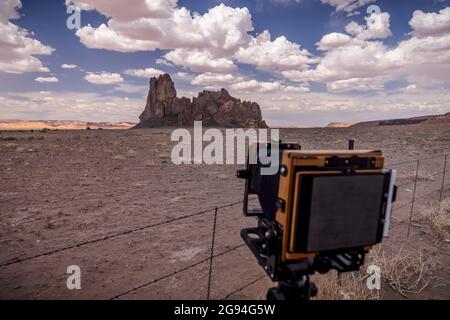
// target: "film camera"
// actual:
[[322, 210]]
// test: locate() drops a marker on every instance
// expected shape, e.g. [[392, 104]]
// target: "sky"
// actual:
[[305, 62]]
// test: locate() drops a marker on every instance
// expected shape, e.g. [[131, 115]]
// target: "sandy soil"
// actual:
[[64, 187]]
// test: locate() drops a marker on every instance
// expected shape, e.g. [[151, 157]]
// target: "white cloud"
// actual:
[[164, 62], [257, 86], [333, 40], [426, 61], [69, 66], [103, 78], [203, 43], [131, 88], [430, 24], [377, 27], [213, 79], [184, 75], [68, 105], [357, 63], [356, 84], [300, 89], [222, 29], [410, 88], [46, 79], [8, 10], [279, 54], [358, 59], [282, 98], [123, 11], [347, 5], [214, 41], [144, 73], [104, 37], [286, 1], [238, 85], [200, 61], [18, 47]]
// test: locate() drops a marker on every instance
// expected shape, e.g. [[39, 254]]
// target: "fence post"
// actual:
[[212, 253], [414, 197], [443, 180]]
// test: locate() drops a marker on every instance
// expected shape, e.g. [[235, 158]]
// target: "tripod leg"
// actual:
[[303, 289]]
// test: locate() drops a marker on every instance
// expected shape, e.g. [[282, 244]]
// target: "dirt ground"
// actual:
[[60, 188]]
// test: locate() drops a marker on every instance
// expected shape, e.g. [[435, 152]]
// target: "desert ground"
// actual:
[[61, 188]]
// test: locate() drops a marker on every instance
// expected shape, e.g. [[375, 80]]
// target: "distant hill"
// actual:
[[60, 125], [415, 120], [340, 124]]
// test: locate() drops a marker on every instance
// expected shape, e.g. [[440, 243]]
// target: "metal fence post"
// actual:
[[414, 197], [212, 252], [443, 180]]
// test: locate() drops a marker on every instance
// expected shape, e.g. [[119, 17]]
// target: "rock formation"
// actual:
[[217, 109]]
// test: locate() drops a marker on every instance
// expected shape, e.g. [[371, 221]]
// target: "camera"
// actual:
[[322, 210]]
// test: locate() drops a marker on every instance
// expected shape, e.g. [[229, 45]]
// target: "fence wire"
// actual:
[[216, 211], [122, 233], [176, 272]]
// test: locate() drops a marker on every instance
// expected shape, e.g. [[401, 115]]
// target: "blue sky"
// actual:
[[306, 62]]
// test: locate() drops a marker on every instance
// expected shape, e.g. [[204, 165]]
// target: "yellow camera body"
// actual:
[[296, 164], [322, 209]]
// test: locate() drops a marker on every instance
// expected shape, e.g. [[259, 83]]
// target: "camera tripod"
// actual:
[[304, 289]]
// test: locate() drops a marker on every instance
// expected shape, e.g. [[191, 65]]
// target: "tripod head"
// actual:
[[322, 210]]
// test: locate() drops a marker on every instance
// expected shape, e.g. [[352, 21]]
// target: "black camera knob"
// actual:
[[242, 174]]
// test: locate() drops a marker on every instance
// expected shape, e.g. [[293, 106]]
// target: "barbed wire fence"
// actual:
[[424, 180], [413, 177]]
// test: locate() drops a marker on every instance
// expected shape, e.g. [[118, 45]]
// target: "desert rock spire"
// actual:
[[214, 108]]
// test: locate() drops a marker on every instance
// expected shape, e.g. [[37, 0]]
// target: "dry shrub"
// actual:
[[438, 220], [346, 286], [405, 273]]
